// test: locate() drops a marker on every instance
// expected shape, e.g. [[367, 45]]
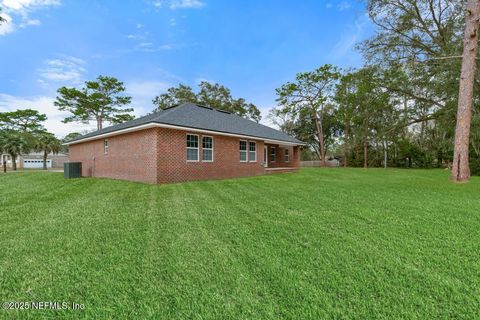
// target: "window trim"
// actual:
[[208, 148], [255, 152], [274, 154], [240, 151], [197, 148], [106, 147], [286, 155]]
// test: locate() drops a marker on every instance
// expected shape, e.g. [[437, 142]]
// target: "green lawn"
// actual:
[[331, 243]]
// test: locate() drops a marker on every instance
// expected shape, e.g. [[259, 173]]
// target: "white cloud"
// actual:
[[266, 120], [145, 44], [135, 37], [344, 5], [65, 69], [148, 47], [178, 4], [30, 22], [143, 92], [7, 26], [151, 47], [26, 4], [344, 48], [157, 3], [201, 79], [329, 5], [148, 89], [22, 9], [44, 105], [186, 4]]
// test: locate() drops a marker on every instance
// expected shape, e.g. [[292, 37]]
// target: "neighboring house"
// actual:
[[34, 160], [184, 143]]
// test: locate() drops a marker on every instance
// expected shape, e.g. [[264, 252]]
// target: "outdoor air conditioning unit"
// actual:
[[72, 170]]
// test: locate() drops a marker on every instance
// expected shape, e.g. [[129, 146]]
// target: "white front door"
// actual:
[[265, 156]]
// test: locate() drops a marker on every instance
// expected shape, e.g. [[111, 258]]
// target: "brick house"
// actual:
[[184, 143]]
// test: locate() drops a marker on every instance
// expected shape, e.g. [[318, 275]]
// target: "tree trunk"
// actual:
[[365, 154], [461, 168], [14, 162], [395, 159], [99, 123], [317, 152], [365, 148], [439, 159], [345, 147], [321, 144], [45, 154], [385, 155]]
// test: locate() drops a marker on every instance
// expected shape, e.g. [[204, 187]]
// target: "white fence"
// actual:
[[316, 163]]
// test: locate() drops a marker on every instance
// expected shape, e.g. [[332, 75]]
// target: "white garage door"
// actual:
[[35, 163]]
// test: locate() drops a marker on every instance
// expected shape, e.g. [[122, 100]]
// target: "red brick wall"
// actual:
[[173, 165], [294, 158], [159, 155], [131, 156]]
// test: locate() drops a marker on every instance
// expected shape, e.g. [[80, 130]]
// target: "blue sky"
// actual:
[[252, 47]]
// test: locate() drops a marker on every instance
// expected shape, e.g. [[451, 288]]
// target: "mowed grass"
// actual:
[[335, 243]]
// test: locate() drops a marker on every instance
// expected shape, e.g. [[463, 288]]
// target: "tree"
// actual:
[[210, 94], [366, 111], [175, 96], [71, 136], [422, 39], [101, 100], [67, 138], [17, 130], [308, 96], [346, 99], [13, 143], [46, 142], [303, 128], [461, 168], [24, 120]]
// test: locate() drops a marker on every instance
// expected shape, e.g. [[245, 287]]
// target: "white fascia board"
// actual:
[[169, 126]]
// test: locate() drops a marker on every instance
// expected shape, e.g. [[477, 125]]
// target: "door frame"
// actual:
[[265, 156]]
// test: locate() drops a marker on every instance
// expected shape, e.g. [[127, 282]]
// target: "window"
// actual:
[[105, 146], [207, 149], [252, 154], [243, 151], [286, 155], [273, 154], [192, 147]]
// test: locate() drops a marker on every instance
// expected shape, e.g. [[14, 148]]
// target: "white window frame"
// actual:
[[211, 137], [286, 155], [240, 151], [193, 148], [105, 146], [274, 154], [254, 152]]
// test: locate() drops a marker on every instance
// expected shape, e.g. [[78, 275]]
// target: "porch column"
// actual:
[[296, 157]]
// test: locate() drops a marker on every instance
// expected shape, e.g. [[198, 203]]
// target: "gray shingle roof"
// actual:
[[199, 117]]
